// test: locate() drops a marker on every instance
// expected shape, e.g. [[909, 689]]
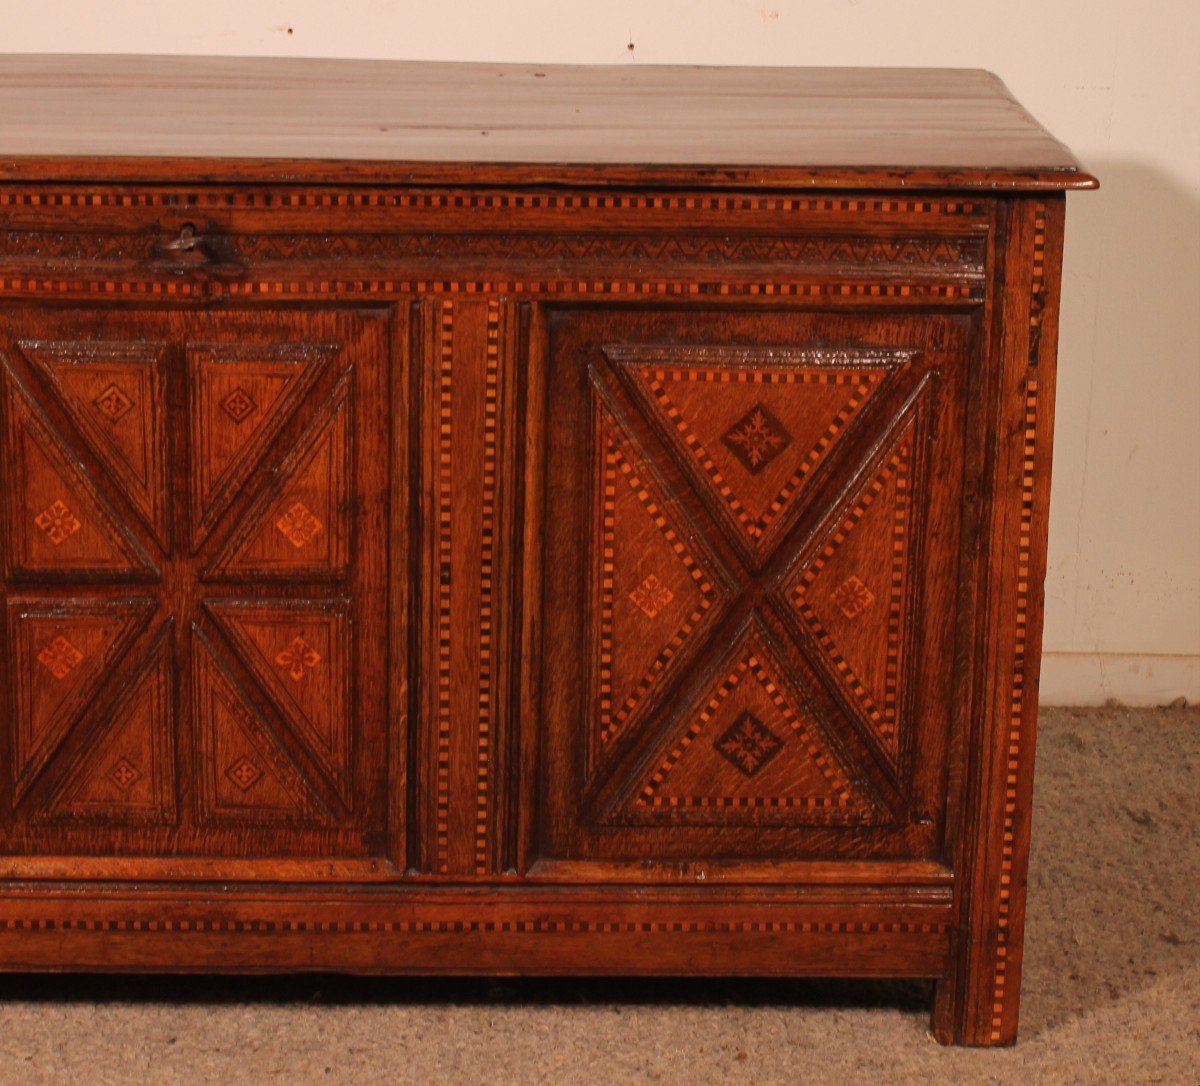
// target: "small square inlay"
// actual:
[[298, 525], [113, 403], [238, 405], [297, 658], [749, 745], [60, 657], [652, 596], [756, 439], [244, 773], [58, 522], [852, 597], [125, 774]]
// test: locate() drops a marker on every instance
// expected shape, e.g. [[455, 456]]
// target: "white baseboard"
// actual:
[[1092, 678]]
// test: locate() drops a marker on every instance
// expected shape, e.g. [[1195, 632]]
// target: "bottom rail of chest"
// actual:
[[470, 931]]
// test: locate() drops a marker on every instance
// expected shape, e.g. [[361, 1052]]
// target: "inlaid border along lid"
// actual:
[[148, 118]]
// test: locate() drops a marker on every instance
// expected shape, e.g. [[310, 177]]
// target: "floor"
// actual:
[[1111, 995]]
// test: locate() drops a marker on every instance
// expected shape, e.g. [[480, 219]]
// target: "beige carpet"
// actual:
[[1112, 986]]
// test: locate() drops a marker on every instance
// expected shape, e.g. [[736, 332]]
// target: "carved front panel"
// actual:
[[194, 516], [763, 509]]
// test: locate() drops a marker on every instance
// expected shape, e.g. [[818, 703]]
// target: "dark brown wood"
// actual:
[[195, 505], [496, 577], [135, 118], [762, 600], [979, 1001]]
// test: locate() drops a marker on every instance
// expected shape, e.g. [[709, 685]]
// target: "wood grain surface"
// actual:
[[228, 118]]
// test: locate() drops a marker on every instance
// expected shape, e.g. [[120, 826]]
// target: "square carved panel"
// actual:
[[738, 667], [192, 590]]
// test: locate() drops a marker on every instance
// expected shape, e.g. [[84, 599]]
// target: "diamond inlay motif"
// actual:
[[238, 405], [125, 774], [748, 745], [60, 657], [298, 525], [58, 522], [756, 439], [297, 657], [652, 596], [852, 597], [244, 773], [113, 403]]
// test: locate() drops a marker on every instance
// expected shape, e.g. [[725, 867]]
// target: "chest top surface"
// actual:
[[228, 119]]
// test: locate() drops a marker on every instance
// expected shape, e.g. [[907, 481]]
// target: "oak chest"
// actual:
[[493, 519]]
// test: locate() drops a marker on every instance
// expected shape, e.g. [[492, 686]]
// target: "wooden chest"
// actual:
[[490, 519]]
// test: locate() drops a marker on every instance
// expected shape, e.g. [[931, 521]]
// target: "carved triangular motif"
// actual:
[[114, 394], [239, 401], [299, 651], [61, 654], [57, 520], [244, 773], [852, 594], [754, 446], [750, 750], [656, 592], [301, 523], [128, 774]]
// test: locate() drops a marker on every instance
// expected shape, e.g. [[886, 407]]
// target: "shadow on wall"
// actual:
[[1124, 572]]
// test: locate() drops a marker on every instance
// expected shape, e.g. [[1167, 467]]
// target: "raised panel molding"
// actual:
[[242, 773], [127, 774], [794, 744], [658, 587], [299, 651], [62, 653], [300, 524], [853, 590], [753, 466], [58, 524], [113, 730], [240, 398], [115, 395], [750, 750]]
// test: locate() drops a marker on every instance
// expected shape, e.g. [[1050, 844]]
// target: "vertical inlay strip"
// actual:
[[445, 518], [1017, 713], [1017, 701], [483, 778], [1037, 298]]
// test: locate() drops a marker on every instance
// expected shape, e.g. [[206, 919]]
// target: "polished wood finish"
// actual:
[[209, 534], [491, 577], [385, 122]]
